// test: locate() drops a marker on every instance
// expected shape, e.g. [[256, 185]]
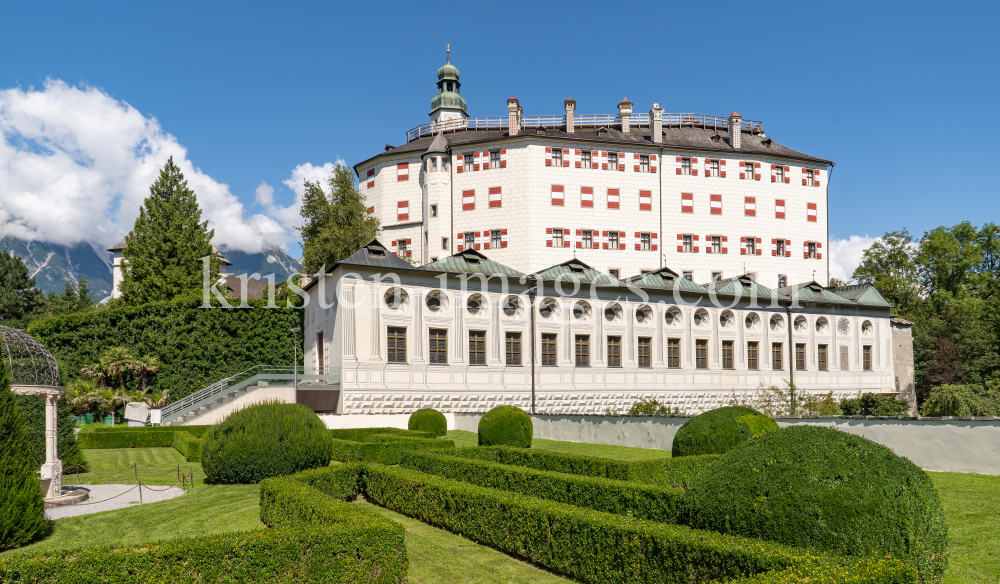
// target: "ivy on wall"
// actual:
[[197, 346]]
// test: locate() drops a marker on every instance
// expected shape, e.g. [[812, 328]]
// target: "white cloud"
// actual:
[[845, 254], [76, 164]]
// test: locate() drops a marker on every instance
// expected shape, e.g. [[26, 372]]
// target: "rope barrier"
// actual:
[[108, 499], [148, 488], [154, 474]]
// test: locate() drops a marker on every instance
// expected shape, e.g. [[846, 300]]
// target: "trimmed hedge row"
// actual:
[[181, 440], [643, 501], [599, 547], [363, 434], [197, 431], [384, 452], [188, 445], [659, 471]]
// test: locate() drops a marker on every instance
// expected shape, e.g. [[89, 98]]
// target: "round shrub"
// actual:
[[265, 440], [717, 431], [429, 420], [820, 488], [505, 426]]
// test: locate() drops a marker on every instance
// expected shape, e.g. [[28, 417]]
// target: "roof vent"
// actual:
[[472, 260], [576, 268], [716, 136], [540, 131], [389, 147], [602, 131], [766, 141]]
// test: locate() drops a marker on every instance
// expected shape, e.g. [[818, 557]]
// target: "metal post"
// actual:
[[295, 359], [78, 473], [178, 471], [138, 484], [531, 303]]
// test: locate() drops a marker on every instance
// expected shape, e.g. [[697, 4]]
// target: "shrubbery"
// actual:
[[265, 440], [429, 420], [32, 408], [717, 431], [820, 488], [505, 426], [961, 400], [873, 404], [22, 510], [384, 448]]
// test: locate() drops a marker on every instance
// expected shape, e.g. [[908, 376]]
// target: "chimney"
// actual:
[[570, 105], [513, 116], [735, 131], [625, 112], [656, 124]]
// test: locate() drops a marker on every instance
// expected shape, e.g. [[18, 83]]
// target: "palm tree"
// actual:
[[78, 394], [144, 366], [116, 362], [158, 399], [106, 399]]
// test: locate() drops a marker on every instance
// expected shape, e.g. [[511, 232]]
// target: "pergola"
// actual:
[[33, 371]]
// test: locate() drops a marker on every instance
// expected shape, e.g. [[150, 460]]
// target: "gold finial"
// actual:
[[448, 50]]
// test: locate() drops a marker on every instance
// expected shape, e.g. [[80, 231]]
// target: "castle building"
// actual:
[[710, 197]]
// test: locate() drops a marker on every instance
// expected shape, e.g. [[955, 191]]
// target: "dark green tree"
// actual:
[[888, 265], [949, 258], [22, 509], [336, 225], [162, 255], [18, 297], [75, 297]]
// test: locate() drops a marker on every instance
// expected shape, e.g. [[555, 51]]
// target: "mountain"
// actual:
[[52, 264]]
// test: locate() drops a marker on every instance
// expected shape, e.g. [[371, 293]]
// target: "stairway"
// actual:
[[214, 404]]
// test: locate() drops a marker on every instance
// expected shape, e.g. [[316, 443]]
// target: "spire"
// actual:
[[448, 50], [448, 103]]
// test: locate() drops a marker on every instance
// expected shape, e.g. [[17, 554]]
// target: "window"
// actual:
[[687, 244], [613, 160], [438, 344], [845, 359], [614, 351], [432, 164], [716, 276], [777, 360], [716, 244], [751, 245], [396, 344], [673, 353], [645, 351], [727, 354], [477, 347], [588, 239], [689, 276], [685, 166], [469, 161], [779, 174], [548, 350], [748, 172], [470, 240], [557, 238], [866, 355], [401, 244], [495, 159], [821, 362], [613, 240], [800, 356], [513, 348], [434, 210], [701, 353], [615, 273], [810, 179], [643, 163], [713, 168], [752, 355], [496, 241], [645, 241], [557, 157], [782, 281], [444, 243], [812, 250], [585, 159], [779, 247], [582, 350]]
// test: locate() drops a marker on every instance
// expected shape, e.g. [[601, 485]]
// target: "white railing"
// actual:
[[582, 120]]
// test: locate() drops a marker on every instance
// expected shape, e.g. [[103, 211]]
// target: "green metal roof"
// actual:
[[744, 286], [471, 261], [575, 270], [666, 279], [864, 294], [813, 292], [448, 71]]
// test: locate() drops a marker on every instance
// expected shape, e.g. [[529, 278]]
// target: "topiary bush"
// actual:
[[872, 404], [505, 426], [717, 431], [428, 420], [265, 440], [820, 488], [22, 510]]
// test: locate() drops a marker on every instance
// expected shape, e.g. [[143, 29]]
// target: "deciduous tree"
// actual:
[[336, 225]]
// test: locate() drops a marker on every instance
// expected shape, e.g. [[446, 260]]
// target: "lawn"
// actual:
[[157, 466], [972, 510], [463, 438]]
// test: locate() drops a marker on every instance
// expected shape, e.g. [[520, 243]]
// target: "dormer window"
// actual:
[[540, 131], [376, 253], [602, 132]]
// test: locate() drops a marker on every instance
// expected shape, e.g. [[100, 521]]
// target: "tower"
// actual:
[[448, 103]]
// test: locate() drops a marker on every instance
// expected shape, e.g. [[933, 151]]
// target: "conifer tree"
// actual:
[[162, 255], [335, 226], [18, 296], [22, 509]]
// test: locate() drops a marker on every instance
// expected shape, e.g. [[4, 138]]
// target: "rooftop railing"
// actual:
[[579, 121]]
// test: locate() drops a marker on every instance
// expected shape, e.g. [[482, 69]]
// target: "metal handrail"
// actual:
[[581, 120], [220, 386]]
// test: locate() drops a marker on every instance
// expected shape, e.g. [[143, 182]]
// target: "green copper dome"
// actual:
[[449, 90], [448, 71]]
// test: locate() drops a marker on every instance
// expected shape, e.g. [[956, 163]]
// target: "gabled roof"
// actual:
[[471, 261], [118, 246], [438, 146], [813, 292], [744, 286], [665, 279], [576, 271], [374, 254], [864, 294], [255, 289]]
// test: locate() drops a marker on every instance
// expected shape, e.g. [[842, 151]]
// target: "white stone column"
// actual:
[[52, 469]]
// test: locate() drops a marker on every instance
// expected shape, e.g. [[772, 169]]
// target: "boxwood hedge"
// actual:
[[428, 420], [145, 437], [384, 448], [363, 434], [716, 431], [505, 426]]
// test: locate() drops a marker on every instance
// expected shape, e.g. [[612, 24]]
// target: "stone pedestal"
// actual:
[[51, 474]]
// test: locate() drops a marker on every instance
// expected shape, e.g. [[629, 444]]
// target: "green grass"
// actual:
[[441, 557], [157, 466], [464, 438], [972, 510]]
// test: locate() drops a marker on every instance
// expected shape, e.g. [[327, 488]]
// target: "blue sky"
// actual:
[[900, 95]]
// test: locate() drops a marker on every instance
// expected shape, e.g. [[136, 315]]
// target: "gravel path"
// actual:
[[104, 493]]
